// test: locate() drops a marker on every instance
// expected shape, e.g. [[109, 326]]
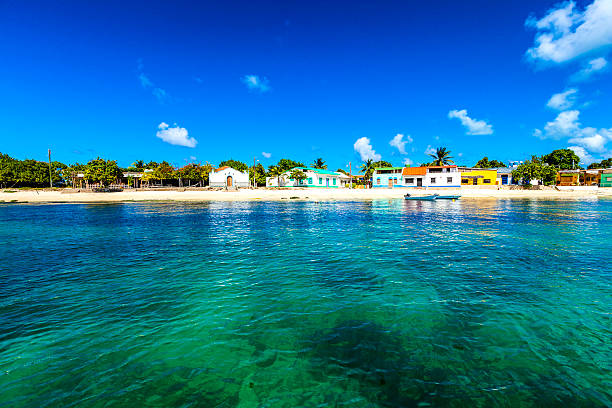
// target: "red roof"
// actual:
[[414, 171], [222, 168]]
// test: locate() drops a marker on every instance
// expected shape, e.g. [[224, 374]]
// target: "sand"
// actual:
[[73, 196]]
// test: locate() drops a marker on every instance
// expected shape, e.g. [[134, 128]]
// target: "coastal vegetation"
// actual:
[[16, 173]]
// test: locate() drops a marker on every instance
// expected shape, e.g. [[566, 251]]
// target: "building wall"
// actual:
[[447, 177], [504, 179], [219, 179], [382, 180], [490, 175], [606, 180], [313, 179]]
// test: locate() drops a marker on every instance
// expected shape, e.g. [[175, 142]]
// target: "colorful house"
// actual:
[[478, 177], [504, 176], [606, 178], [387, 177], [590, 177], [314, 178], [568, 178], [432, 176]]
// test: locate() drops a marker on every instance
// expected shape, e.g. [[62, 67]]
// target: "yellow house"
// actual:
[[478, 177]]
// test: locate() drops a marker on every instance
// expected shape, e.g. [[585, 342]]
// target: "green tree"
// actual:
[[319, 163], [563, 159], [297, 174], [442, 157], [9, 169], [535, 169], [382, 163], [259, 173], [287, 164], [194, 172], [234, 164], [484, 163], [102, 171], [151, 165], [164, 172]]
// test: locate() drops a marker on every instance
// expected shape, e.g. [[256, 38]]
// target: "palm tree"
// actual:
[[139, 164], [368, 169], [275, 171], [319, 163], [442, 157]]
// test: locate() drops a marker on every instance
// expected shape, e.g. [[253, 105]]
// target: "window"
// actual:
[[334, 182], [449, 179], [465, 181], [320, 180], [433, 180], [486, 181], [409, 181], [378, 180], [309, 180], [301, 182], [395, 180]]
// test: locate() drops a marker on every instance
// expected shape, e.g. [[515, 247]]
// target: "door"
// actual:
[[326, 182], [390, 183], [475, 181], [419, 182], [504, 180], [230, 181]]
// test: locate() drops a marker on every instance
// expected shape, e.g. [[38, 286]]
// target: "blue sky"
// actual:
[[206, 82]]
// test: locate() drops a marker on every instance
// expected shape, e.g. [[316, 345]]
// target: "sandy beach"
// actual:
[[75, 196]]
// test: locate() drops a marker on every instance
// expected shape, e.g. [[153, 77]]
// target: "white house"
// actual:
[[314, 178], [228, 177], [432, 176]]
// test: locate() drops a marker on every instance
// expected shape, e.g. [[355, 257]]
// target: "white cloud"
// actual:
[[587, 139], [175, 135], [408, 162], [565, 125], [266, 155], [365, 150], [430, 150], [585, 157], [593, 139], [566, 33], [255, 83], [563, 100], [399, 143], [161, 95], [474, 127], [592, 67], [192, 158]]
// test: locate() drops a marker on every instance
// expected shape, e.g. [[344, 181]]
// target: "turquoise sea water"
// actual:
[[301, 304]]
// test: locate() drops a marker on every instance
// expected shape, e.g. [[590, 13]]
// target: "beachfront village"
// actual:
[[559, 168]]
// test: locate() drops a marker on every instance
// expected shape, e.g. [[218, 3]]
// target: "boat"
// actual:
[[422, 198], [448, 197]]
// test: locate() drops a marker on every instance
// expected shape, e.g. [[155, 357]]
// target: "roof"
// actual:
[[443, 167], [387, 168], [504, 170], [414, 171], [318, 171], [222, 168]]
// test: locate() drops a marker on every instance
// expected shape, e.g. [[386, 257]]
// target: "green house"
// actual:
[[606, 179]]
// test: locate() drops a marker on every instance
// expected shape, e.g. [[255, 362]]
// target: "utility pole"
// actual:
[[254, 186], [351, 174], [50, 176]]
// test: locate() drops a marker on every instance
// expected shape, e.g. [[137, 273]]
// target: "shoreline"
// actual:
[[71, 196]]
